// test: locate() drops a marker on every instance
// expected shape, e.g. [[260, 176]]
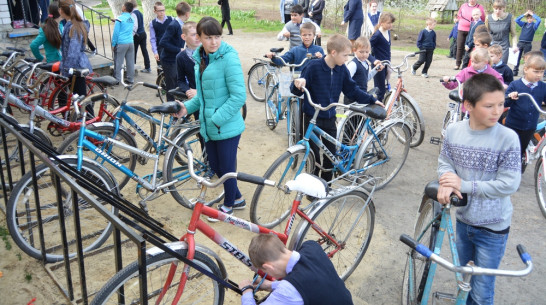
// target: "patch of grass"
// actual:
[[4, 234], [19, 257], [28, 277]]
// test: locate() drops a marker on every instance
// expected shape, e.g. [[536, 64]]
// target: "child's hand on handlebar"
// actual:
[[380, 104], [513, 95], [299, 83], [318, 55], [269, 55], [446, 79], [183, 111], [378, 65]]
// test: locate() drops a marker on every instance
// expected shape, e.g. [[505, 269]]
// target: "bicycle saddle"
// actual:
[[168, 107], [375, 112], [454, 96], [178, 94], [105, 80], [309, 185], [51, 67], [276, 50], [431, 190]]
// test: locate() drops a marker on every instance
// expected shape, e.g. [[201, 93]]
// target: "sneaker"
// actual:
[[146, 70], [221, 208], [237, 205], [425, 75], [456, 68], [413, 72]]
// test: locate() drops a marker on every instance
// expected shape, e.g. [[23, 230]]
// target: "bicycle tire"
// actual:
[[407, 110], [271, 205], [70, 145], [350, 127], [346, 216], [447, 121], [186, 190], [272, 101], [423, 233], [21, 215], [540, 187], [20, 76], [256, 81], [394, 139], [294, 123], [128, 279], [13, 147], [160, 81], [146, 126]]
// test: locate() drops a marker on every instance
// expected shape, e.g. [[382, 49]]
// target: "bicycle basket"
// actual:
[[285, 79]]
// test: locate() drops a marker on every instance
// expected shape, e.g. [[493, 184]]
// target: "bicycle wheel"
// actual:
[[294, 123], [407, 111], [160, 81], [144, 125], [256, 81], [271, 205], [350, 127], [349, 219], [13, 146], [60, 97], [272, 101], [70, 146], [22, 221], [186, 190], [447, 121], [540, 186], [199, 289], [384, 156], [426, 228]]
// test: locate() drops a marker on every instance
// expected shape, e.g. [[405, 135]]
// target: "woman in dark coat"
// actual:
[[315, 13], [353, 14], [224, 6]]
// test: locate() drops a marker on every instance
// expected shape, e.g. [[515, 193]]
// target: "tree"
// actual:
[[115, 6]]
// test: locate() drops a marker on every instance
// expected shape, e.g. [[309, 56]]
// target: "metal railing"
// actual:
[[101, 41]]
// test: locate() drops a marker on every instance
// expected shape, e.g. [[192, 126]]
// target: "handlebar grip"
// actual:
[[16, 49], [99, 97], [152, 86], [251, 178], [525, 257], [451, 79], [422, 249], [32, 60]]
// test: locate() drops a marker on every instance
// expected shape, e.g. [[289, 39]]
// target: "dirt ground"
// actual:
[[378, 278]]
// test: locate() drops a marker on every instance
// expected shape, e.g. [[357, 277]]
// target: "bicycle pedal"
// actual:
[[270, 122], [444, 296], [435, 140]]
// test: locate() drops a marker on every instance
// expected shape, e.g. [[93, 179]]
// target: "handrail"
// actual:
[[106, 39]]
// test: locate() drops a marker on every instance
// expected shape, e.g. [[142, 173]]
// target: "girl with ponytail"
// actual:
[[49, 36]]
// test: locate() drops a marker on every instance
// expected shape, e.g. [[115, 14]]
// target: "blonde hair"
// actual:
[[535, 61], [338, 43], [480, 55], [477, 9], [265, 248], [430, 21], [187, 26], [308, 26], [495, 49], [361, 42], [384, 18]]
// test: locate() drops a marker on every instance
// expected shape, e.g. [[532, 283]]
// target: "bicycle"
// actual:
[[454, 112], [167, 282], [280, 103], [379, 152], [398, 103], [433, 222], [257, 75]]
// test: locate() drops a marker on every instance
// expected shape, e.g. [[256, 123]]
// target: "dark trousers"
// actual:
[[169, 71], [453, 48], [222, 157], [524, 47], [379, 83], [317, 39], [140, 40], [80, 88], [287, 18], [328, 126], [461, 37], [424, 58], [524, 138], [44, 5], [466, 59], [230, 30]]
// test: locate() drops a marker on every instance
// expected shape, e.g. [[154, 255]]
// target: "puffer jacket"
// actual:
[[220, 95]]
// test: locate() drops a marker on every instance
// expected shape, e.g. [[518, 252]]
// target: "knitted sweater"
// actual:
[[528, 29], [505, 72], [489, 164]]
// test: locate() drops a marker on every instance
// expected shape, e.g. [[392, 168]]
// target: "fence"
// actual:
[[100, 40]]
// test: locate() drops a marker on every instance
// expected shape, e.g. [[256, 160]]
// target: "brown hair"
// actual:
[[385, 17], [182, 8], [361, 42], [495, 49], [308, 26], [478, 85], [69, 9], [483, 38], [481, 29], [210, 27], [158, 3], [535, 61], [338, 43], [51, 27], [499, 3], [265, 248], [135, 4]]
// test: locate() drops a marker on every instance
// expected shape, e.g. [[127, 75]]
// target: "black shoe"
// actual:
[[515, 73], [230, 34], [148, 70], [237, 205]]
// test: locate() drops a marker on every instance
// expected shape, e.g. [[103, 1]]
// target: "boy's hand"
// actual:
[[448, 39], [318, 55], [191, 93], [378, 65], [156, 56], [466, 48], [342, 22], [287, 35], [451, 180], [299, 83], [183, 111], [446, 79], [444, 192], [513, 95], [269, 55], [380, 104], [245, 283]]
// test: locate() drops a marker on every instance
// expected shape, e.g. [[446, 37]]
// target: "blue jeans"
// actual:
[[222, 157], [486, 249]]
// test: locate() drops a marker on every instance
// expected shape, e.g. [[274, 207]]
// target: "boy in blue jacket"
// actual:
[[528, 29], [172, 43], [122, 43], [453, 34], [425, 42], [325, 79], [297, 54]]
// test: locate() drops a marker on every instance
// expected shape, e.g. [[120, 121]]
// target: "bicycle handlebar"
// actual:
[[309, 57], [470, 268], [353, 107], [82, 101], [404, 62], [239, 176], [532, 100]]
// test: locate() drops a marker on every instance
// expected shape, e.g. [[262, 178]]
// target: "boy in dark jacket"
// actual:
[[158, 26], [139, 39], [528, 29], [325, 79], [426, 42], [453, 34], [495, 54], [172, 43]]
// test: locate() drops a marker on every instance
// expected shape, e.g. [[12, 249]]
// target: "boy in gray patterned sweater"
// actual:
[[481, 158]]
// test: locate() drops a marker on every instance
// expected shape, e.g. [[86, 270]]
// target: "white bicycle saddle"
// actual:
[[308, 184]]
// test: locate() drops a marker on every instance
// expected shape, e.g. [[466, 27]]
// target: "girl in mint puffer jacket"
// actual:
[[220, 95]]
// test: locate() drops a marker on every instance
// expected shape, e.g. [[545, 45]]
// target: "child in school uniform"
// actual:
[[453, 34], [381, 50], [425, 42], [360, 66], [528, 29], [495, 55], [158, 26], [291, 30]]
